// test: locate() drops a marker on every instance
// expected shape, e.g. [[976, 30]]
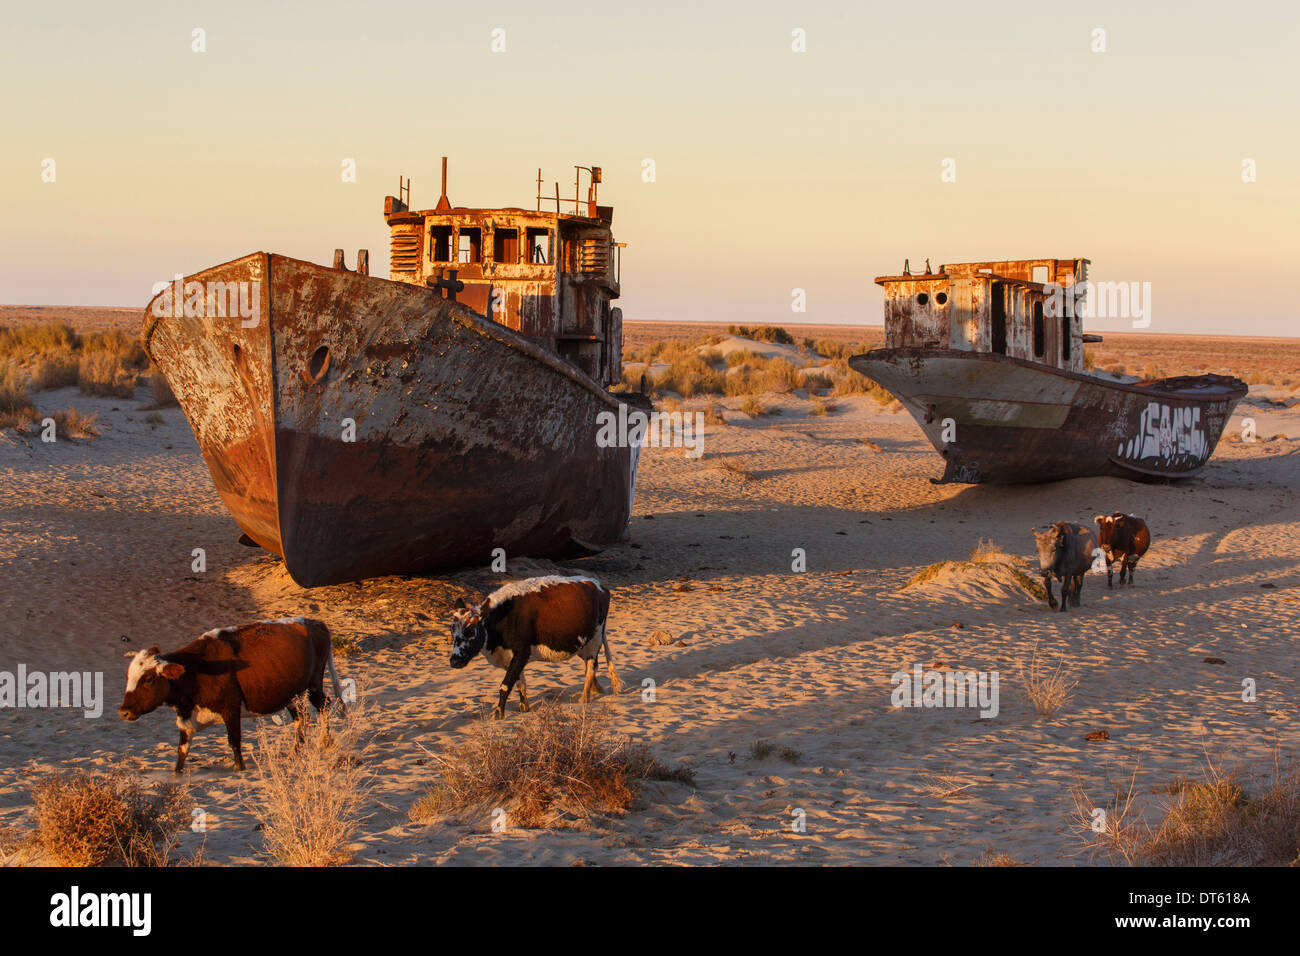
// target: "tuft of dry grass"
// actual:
[[762, 750], [752, 407], [1048, 691], [986, 551], [309, 798], [553, 766], [95, 819], [822, 407], [106, 374], [992, 858], [733, 468]]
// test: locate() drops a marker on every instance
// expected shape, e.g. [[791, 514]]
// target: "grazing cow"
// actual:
[[1123, 538], [1065, 551], [259, 668], [552, 617]]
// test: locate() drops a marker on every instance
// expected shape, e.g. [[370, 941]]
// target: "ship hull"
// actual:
[[1002, 420], [360, 427]]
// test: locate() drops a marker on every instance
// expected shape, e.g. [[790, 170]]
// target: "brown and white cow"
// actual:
[[1123, 538], [260, 668], [553, 617], [1065, 551]]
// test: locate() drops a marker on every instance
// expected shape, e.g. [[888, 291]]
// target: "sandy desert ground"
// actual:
[[95, 557]]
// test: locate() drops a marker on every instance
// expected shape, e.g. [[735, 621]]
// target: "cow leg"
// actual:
[[1047, 583], [1110, 574], [1078, 590], [523, 696], [233, 735], [299, 715], [183, 749], [1132, 569], [1066, 586], [513, 673], [591, 685]]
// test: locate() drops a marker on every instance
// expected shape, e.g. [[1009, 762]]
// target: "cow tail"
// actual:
[[604, 642]]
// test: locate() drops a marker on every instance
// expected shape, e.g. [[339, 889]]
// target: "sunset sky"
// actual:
[[774, 169]]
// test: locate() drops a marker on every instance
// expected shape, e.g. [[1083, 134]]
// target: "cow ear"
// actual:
[[129, 653], [170, 670], [155, 651], [460, 603]]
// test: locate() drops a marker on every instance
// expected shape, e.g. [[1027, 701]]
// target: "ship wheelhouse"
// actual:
[[550, 275], [1023, 308]]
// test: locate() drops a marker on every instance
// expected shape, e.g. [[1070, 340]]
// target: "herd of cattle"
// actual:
[[264, 667]]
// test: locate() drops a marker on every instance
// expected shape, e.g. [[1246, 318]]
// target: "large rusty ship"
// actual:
[[360, 426], [988, 358]]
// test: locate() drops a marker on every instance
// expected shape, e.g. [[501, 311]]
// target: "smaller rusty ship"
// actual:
[[988, 358], [361, 427]]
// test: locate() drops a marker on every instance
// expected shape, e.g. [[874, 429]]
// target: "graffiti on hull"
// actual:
[[1171, 435]]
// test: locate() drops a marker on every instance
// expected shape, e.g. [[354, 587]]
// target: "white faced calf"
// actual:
[[554, 618]]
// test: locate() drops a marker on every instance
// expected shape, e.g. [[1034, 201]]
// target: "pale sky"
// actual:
[[774, 169]]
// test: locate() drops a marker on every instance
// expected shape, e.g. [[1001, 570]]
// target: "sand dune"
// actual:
[[97, 546]]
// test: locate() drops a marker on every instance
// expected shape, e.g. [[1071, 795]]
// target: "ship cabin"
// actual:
[[1024, 308], [549, 275]]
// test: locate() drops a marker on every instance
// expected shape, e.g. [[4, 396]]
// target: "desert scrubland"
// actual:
[[768, 592]]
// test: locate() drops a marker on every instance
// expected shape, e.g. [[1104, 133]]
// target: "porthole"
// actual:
[[941, 298], [922, 298], [318, 364]]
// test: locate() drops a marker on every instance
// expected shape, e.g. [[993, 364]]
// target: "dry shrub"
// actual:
[[553, 766], [160, 391], [15, 407], [55, 371], [73, 423], [1211, 822], [94, 819], [690, 376], [117, 343], [752, 407], [713, 415], [309, 798], [821, 407], [25, 341], [763, 333], [106, 374], [1048, 691], [741, 356], [986, 551]]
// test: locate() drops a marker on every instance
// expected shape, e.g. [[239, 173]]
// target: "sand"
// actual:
[[97, 546]]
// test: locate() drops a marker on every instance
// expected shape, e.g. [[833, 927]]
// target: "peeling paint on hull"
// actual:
[[465, 436], [1014, 421]]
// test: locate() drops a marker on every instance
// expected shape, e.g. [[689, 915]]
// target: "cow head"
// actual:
[[468, 632], [148, 679], [1050, 543], [1106, 528]]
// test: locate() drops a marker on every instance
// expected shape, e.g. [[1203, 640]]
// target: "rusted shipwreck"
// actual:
[[988, 358], [360, 426]]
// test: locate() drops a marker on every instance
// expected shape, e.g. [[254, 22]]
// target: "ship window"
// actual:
[[922, 299], [1040, 331], [539, 245], [505, 246], [440, 246], [941, 298], [1040, 274], [471, 245], [998, 316], [1065, 338]]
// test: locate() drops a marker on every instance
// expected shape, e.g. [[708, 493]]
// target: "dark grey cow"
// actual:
[[1065, 552]]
